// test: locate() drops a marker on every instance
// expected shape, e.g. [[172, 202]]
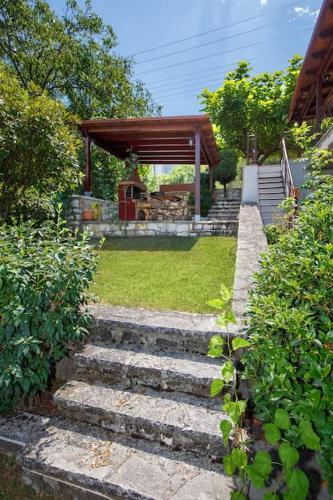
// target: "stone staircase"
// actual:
[[271, 192], [135, 420], [224, 213]]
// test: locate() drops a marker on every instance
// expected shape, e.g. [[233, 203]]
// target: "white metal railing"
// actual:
[[289, 188]]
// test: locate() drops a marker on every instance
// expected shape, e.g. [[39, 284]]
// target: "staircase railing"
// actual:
[[289, 187]]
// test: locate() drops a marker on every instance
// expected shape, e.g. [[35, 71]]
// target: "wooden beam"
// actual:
[[197, 193], [319, 101], [87, 165]]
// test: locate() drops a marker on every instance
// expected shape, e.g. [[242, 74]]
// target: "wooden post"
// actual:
[[318, 103], [211, 179], [197, 174], [87, 165]]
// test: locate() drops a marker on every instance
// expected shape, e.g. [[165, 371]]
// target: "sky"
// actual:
[[265, 32]]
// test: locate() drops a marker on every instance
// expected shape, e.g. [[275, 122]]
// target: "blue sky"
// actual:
[[272, 31]]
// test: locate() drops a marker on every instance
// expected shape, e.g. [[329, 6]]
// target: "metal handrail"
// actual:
[[289, 187]]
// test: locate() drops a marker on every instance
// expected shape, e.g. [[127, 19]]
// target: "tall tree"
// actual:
[[38, 149], [72, 57], [257, 105]]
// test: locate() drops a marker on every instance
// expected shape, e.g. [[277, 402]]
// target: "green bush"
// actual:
[[226, 170], [290, 326], [273, 232], [206, 199], [44, 273]]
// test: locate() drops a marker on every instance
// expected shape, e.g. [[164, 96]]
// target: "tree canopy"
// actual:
[[226, 170], [72, 57], [38, 148], [258, 105]]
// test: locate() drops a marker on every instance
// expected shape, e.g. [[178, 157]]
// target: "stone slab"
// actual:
[[166, 421], [160, 330], [173, 372]]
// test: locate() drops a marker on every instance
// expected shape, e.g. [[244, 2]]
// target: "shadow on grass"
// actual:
[[151, 243]]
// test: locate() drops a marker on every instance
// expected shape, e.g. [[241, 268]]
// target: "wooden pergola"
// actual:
[[313, 97], [172, 140]]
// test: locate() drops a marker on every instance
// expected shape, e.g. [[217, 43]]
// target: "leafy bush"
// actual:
[[44, 273], [206, 200], [226, 170], [38, 149], [290, 326]]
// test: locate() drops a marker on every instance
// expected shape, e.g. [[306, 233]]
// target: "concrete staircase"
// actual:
[[135, 420], [271, 192], [223, 214]]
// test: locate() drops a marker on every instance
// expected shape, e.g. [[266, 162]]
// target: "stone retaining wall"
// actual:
[[165, 228], [251, 243], [108, 210]]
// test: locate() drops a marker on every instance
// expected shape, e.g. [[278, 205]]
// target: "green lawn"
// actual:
[[164, 272]]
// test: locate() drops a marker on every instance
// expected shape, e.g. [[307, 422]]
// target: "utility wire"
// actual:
[[176, 85], [214, 30], [256, 44], [228, 37]]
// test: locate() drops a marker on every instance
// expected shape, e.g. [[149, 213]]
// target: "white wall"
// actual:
[[250, 193]]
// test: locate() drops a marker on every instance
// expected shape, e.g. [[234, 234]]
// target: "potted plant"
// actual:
[[87, 214]]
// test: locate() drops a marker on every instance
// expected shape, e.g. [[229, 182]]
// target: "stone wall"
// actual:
[[251, 243], [106, 210], [164, 228]]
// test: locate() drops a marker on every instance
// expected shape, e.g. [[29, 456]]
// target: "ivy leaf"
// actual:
[[216, 303], [239, 458], [310, 439], [282, 419], [215, 352], [272, 433], [229, 465], [215, 341], [227, 371], [225, 293], [226, 428], [298, 484], [259, 471], [289, 456], [237, 495], [216, 387], [239, 343]]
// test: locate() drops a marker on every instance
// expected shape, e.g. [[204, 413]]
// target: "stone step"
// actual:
[[173, 372], [173, 423], [267, 175], [271, 196], [156, 330], [71, 460], [270, 185]]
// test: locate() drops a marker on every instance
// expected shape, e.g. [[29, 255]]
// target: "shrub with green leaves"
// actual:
[[290, 327], [44, 273]]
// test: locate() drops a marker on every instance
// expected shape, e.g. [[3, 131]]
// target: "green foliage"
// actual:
[[226, 170], [38, 149], [205, 194], [72, 57], [290, 327], [252, 105], [44, 273]]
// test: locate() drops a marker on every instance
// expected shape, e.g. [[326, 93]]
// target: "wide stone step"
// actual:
[[270, 185], [173, 423], [75, 461], [127, 368], [156, 330], [271, 196], [269, 175]]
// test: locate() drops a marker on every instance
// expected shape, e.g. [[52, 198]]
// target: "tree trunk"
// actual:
[[225, 190]]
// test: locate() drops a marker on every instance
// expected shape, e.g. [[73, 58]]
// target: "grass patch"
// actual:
[[172, 273], [11, 484]]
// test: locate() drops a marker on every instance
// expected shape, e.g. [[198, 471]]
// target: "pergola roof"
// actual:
[[313, 95], [158, 140]]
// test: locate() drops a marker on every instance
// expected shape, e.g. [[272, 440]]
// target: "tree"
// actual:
[[38, 148], [226, 170], [257, 105], [72, 57]]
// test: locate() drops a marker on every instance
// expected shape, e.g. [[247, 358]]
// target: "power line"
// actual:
[[186, 92], [203, 33], [172, 86], [258, 28], [224, 52]]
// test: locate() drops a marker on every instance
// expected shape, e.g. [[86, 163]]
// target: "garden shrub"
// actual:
[[44, 273], [290, 327]]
